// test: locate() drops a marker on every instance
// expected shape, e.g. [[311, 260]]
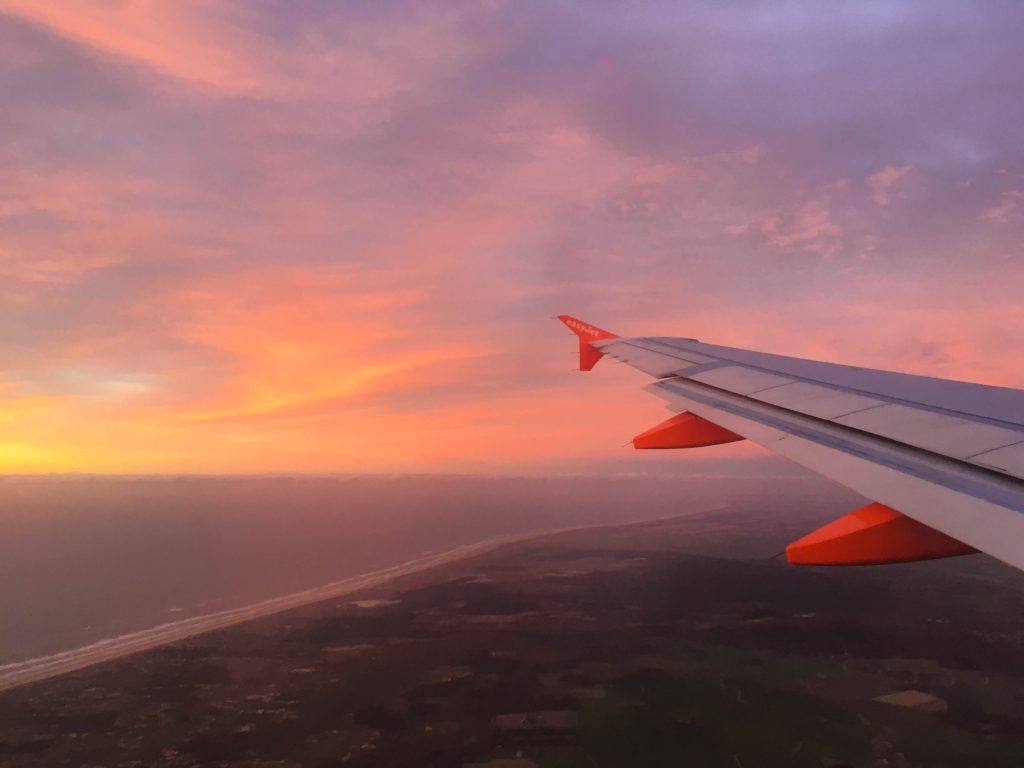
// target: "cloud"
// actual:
[[883, 184], [1005, 210], [256, 237], [202, 43], [810, 228]]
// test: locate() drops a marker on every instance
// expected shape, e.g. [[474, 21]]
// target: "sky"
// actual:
[[316, 236]]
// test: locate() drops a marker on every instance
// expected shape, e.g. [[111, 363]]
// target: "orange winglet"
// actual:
[[684, 430], [587, 333], [874, 535]]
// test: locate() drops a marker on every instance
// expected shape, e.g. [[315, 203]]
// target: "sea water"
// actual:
[[84, 559]]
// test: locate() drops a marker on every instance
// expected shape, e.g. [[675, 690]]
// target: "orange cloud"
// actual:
[[337, 249], [204, 43]]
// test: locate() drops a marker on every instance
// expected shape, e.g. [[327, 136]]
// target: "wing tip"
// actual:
[[587, 333], [585, 330]]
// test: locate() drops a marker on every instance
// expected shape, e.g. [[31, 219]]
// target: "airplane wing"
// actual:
[[943, 460]]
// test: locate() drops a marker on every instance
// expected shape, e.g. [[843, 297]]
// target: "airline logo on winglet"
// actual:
[[582, 327], [585, 329]]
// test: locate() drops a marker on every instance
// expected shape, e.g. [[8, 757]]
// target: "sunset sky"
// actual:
[[316, 236]]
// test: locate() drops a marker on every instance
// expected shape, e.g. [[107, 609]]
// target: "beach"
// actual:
[[91, 561], [33, 670]]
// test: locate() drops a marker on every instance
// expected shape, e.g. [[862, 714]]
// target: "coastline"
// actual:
[[33, 670], [20, 673]]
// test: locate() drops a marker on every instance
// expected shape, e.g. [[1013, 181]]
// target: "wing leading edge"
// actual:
[[944, 460]]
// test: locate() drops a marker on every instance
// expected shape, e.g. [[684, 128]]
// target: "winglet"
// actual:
[[589, 355]]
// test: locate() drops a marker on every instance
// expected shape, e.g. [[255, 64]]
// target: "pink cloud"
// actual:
[[339, 245], [885, 184], [1005, 210], [198, 42]]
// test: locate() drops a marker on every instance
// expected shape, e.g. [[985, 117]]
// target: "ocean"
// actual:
[[88, 559]]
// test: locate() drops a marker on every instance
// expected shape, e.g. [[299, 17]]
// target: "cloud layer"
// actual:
[[314, 236]]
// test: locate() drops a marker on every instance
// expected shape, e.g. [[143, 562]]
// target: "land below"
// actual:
[[678, 642]]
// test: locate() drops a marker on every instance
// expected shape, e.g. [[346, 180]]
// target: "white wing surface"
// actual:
[[944, 460]]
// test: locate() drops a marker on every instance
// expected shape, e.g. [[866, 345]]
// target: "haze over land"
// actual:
[[244, 237]]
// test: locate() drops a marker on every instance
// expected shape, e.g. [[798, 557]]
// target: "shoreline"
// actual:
[[19, 673], [33, 670]]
